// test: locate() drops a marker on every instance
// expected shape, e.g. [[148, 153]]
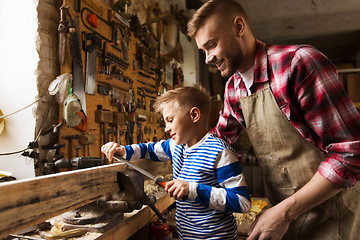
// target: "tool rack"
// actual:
[[127, 82]]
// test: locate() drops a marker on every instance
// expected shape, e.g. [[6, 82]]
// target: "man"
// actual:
[[302, 125]]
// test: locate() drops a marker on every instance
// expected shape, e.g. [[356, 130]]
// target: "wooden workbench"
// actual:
[[131, 223], [41, 198], [135, 220]]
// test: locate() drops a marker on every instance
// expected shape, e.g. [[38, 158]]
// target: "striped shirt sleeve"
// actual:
[[156, 151], [232, 195]]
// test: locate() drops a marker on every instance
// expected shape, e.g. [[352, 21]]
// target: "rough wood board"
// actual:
[[24, 203]]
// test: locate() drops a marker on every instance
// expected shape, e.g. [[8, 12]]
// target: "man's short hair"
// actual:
[[185, 98], [224, 8]]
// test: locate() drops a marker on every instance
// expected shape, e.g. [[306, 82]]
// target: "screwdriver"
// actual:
[[158, 180]]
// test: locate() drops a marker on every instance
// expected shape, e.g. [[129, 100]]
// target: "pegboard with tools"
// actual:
[[116, 76]]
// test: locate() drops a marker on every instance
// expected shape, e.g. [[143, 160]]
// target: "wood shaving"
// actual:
[[150, 187]]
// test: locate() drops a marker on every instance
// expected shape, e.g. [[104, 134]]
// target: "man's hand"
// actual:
[[274, 222], [110, 148], [177, 189], [271, 224]]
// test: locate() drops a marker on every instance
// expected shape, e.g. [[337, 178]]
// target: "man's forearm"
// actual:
[[316, 191]]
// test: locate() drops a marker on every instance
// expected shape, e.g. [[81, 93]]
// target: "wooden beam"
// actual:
[[24, 203]]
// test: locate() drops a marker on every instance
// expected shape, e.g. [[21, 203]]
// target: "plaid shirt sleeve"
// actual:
[[325, 115], [228, 127]]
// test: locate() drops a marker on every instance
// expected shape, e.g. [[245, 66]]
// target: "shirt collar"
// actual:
[[260, 66], [198, 143], [237, 79], [261, 63]]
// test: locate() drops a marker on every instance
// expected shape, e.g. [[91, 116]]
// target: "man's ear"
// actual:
[[195, 114], [239, 26]]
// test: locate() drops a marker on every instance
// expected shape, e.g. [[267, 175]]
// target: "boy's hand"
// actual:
[[177, 189], [110, 148]]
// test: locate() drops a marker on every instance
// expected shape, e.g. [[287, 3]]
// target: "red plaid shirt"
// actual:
[[306, 87]]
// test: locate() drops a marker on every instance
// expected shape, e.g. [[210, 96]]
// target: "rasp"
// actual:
[[62, 29], [158, 180]]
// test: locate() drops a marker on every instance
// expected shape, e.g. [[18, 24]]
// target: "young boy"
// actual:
[[206, 170]]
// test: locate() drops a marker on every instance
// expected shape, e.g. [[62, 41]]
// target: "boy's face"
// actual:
[[178, 124]]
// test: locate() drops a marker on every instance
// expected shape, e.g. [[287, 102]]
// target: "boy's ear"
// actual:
[[195, 114]]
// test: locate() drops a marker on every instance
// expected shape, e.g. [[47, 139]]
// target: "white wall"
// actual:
[[189, 66], [18, 62]]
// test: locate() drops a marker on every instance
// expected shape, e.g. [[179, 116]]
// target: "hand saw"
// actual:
[[91, 57], [75, 51]]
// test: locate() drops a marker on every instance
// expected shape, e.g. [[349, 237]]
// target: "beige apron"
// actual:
[[289, 161]]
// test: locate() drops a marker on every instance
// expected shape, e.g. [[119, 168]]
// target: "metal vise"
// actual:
[[131, 195]]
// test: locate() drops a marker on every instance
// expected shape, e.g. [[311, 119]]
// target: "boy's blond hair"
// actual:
[[225, 9], [185, 98]]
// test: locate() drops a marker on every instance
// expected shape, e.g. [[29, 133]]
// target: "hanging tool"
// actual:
[[103, 23], [87, 139], [92, 19], [70, 139], [78, 82], [79, 162], [91, 56], [158, 180], [77, 5], [77, 149], [118, 121], [68, 25], [103, 117], [63, 29], [129, 135]]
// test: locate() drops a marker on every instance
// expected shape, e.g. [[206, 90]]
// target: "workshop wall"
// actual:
[[41, 121], [57, 139]]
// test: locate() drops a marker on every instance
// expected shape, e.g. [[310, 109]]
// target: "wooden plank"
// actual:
[[24, 203]]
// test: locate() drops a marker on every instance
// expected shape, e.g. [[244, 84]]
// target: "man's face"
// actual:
[[221, 45], [177, 124]]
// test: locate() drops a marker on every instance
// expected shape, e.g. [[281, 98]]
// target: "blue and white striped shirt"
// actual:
[[216, 185]]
